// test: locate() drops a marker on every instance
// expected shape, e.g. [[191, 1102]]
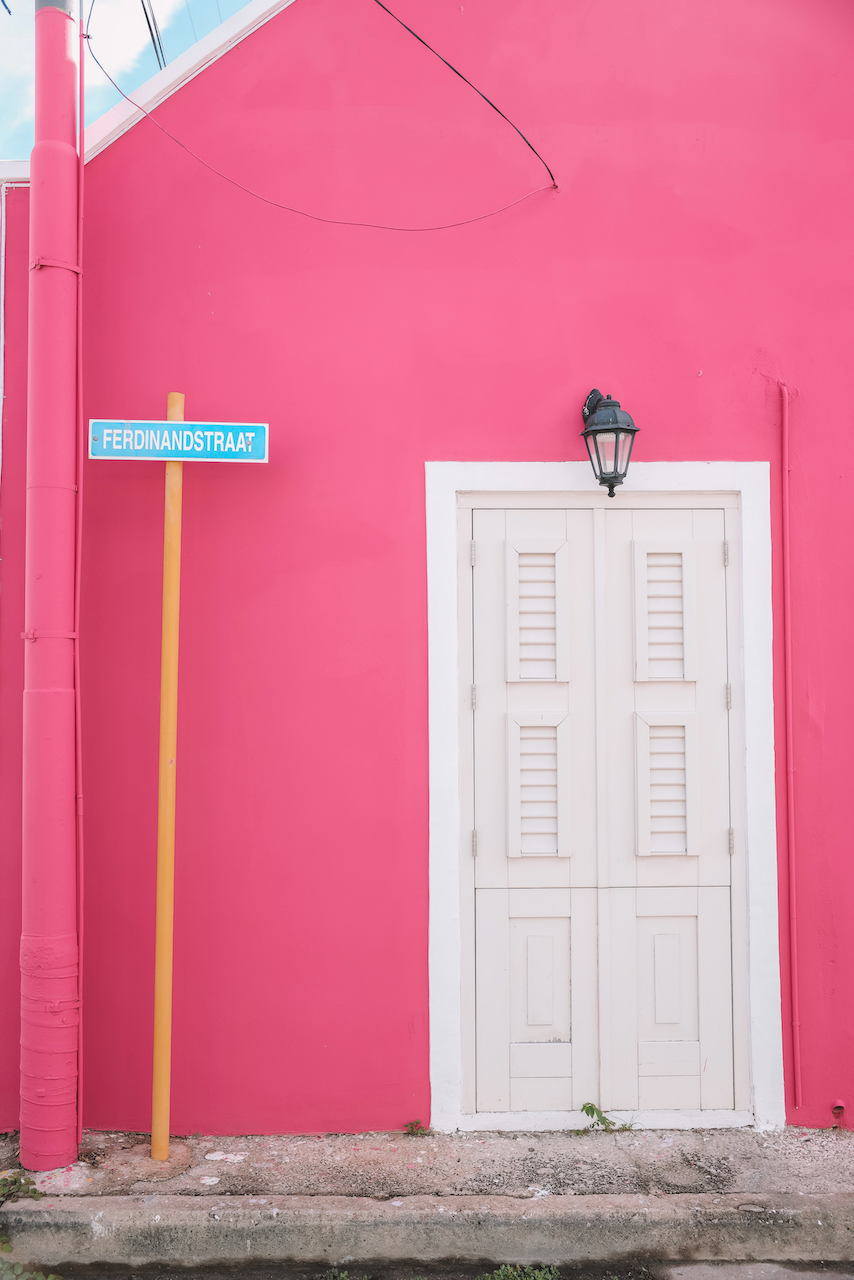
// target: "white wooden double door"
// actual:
[[606, 865]]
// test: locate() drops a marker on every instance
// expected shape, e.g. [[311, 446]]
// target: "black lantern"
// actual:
[[609, 434]]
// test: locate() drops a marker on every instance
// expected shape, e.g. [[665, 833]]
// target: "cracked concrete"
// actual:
[[383, 1165], [195, 1231], [384, 1198]]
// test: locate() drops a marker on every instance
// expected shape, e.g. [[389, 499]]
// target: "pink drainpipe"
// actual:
[[49, 993]]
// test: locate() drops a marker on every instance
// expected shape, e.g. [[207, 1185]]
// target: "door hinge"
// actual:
[[726, 553], [472, 553], [729, 697], [731, 842], [474, 844], [474, 697]]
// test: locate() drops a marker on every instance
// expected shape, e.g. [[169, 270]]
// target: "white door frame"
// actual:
[[750, 481]]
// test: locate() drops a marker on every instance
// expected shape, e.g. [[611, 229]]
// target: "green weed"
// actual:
[[522, 1273], [600, 1120], [17, 1271], [18, 1186]]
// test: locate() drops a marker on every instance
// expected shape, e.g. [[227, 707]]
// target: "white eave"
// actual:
[[14, 170], [200, 55]]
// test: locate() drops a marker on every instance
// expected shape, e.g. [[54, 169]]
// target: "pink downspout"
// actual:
[[49, 973], [78, 565], [790, 761]]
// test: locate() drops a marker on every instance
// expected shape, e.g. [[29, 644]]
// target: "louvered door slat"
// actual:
[[665, 630], [537, 610], [537, 786], [665, 611], [666, 786]]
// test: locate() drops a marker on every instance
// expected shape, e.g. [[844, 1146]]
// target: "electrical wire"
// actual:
[[154, 32], [314, 217], [190, 16], [471, 86]]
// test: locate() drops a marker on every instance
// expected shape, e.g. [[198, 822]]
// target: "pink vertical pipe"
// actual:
[[790, 760], [78, 564], [49, 995]]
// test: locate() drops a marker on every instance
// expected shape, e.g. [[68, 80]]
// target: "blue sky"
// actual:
[[121, 41]]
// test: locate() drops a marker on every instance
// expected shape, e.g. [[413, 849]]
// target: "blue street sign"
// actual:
[[179, 441]]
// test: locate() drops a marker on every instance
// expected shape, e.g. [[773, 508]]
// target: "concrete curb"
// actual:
[[197, 1231]]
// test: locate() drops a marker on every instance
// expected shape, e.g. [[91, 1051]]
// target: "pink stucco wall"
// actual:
[[704, 155]]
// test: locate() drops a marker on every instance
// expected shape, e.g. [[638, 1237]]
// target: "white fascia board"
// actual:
[[124, 115], [14, 170], [751, 482]]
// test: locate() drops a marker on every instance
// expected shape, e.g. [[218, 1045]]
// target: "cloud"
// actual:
[[17, 58], [120, 39], [120, 35]]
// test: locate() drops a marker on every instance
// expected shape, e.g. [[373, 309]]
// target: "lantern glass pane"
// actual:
[[624, 448], [594, 460], [606, 443]]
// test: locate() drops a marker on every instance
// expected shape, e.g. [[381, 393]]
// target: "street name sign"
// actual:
[[179, 441]]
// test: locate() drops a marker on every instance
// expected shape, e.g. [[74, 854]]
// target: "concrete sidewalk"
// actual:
[[386, 1199]]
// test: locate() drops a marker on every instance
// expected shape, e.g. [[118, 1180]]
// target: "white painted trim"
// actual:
[[186, 66], [14, 171], [751, 482], [550, 1121]]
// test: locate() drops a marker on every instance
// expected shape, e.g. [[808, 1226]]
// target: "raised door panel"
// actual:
[[523, 952], [671, 1034], [540, 1025], [668, 1000]]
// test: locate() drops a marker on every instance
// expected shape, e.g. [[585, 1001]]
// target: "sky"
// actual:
[[121, 41]]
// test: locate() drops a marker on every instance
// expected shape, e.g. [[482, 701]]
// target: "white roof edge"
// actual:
[[14, 170], [124, 116]]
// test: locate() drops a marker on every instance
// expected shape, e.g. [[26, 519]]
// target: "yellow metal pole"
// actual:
[[166, 797]]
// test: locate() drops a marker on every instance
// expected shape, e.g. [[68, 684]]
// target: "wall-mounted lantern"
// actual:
[[609, 434]]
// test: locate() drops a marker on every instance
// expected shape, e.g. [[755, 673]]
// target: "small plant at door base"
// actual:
[[600, 1120], [414, 1128], [522, 1273]]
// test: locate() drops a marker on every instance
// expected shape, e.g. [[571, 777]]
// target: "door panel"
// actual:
[[603, 948]]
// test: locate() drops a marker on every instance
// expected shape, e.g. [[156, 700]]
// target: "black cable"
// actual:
[[154, 32], [471, 86], [337, 222]]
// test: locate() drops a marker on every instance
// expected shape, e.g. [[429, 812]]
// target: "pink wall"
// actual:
[[704, 156]]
